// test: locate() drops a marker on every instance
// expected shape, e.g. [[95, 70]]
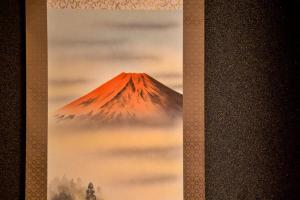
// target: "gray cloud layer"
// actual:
[[141, 25], [157, 152], [168, 75], [128, 56], [69, 42], [63, 82], [151, 179], [114, 56], [61, 99]]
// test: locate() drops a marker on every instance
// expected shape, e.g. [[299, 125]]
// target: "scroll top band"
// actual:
[[117, 4]]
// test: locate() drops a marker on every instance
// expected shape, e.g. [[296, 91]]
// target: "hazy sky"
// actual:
[[89, 47]]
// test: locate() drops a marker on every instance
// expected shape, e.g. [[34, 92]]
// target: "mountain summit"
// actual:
[[132, 98]]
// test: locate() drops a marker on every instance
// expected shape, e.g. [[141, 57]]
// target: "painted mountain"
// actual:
[[129, 98]]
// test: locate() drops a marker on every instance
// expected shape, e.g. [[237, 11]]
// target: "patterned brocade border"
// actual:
[[193, 100], [37, 97], [117, 4], [36, 100]]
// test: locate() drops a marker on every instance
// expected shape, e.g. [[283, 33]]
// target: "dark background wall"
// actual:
[[252, 53], [12, 99]]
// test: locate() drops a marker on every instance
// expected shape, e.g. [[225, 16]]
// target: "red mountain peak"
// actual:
[[129, 97]]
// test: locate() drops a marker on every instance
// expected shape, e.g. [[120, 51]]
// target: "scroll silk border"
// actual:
[[37, 94]]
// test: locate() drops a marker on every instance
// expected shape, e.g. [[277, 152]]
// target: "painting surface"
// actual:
[[115, 104]]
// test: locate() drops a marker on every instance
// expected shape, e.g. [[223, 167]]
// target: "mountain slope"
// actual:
[[127, 98]]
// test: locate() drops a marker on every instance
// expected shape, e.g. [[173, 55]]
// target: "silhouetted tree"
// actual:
[[90, 192]]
